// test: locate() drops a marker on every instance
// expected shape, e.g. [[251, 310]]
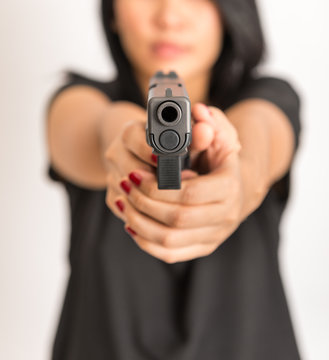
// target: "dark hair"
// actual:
[[243, 49]]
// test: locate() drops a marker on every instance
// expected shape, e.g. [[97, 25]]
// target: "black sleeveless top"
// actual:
[[122, 303]]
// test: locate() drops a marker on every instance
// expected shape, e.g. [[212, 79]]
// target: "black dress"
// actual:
[[123, 304]]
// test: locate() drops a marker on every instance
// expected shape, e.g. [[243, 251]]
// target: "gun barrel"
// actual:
[[168, 128]]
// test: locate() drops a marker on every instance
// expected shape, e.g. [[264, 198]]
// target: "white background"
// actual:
[[40, 38]]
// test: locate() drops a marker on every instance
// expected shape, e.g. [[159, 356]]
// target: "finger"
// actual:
[[177, 215], [202, 137], [158, 233], [114, 195], [134, 138], [203, 113], [121, 161], [188, 174], [225, 134], [202, 130], [115, 202], [171, 256], [201, 189]]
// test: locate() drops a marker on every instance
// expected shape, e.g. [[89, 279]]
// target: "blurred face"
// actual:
[[181, 35]]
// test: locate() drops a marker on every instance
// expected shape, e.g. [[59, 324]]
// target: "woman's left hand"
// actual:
[[192, 222]]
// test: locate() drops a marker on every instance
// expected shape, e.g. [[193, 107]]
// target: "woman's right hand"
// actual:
[[121, 158]]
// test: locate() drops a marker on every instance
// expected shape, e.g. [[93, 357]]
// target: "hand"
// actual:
[[127, 152], [213, 138], [185, 224], [188, 223]]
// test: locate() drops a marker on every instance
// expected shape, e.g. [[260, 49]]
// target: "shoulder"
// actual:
[[269, 87], [284, 94], [76, 87], [281, 92]]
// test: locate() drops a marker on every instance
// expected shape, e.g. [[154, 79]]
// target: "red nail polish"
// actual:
[[154, 158], [120, 205], [135, 178], [130, 231], [125, 186]]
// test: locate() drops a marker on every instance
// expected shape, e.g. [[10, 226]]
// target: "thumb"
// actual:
[[202, 136], [202, 131]]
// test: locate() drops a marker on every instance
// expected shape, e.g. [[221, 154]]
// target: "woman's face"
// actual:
[[181, 35]]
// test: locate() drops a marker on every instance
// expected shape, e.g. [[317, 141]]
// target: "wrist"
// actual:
[[254, 184], [113, 120]]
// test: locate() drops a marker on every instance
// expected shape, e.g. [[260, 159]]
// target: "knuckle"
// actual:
[[139, 202], [125, 135], [234, 132], [232, 217], [208, 252], [151, 191], [126, 132], [259, 194], [167, 239], [109, 154], [237, 144], [108, 199], [109, 179], [169, 258], [211, 249], [188, 194], [261, 189], [110, 184], [178, 218]]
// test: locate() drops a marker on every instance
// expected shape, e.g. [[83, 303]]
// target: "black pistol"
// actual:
[[168, 127]]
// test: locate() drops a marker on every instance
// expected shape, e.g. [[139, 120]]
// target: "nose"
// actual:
[[169, 14]]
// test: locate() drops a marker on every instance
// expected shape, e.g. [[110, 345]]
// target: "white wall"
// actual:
[[40, 38]]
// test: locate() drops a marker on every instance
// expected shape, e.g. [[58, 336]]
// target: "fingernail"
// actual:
[[130, 231], [120, 205], [135, 178], [125, 186], [154, 158]]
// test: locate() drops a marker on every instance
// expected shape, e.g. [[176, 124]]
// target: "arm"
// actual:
[[192, 222], [81, 123], [267, 146]]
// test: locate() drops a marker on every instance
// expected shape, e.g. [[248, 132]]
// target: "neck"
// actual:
[[196, 87]]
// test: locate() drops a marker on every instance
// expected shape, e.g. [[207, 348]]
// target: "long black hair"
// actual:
[[243, 49]]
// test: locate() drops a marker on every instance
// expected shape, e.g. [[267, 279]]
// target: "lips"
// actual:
[[168, 50]]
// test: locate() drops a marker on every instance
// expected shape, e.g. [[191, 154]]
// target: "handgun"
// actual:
[[168, 127]]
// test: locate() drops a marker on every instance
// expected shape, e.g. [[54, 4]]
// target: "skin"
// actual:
[[179, 225], [194, 24]]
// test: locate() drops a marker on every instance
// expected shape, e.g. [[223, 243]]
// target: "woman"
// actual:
[[200, 279]]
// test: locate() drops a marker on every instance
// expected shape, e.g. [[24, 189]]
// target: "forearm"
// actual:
[[114, 120], [81, 122], [267, 143]]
